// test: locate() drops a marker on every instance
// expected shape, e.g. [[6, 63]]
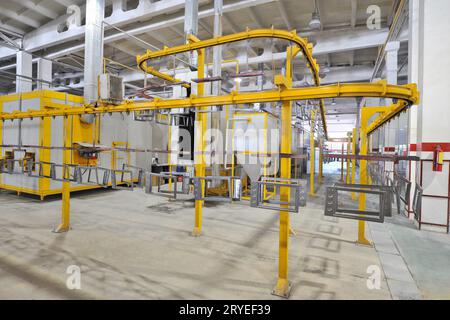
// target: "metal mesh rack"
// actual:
[[173, 177], [402, 189], [69, 173], [417, 202], [297, 189], [10, 165], [202, 184], [333, 209], [91, 175], [36, 169]]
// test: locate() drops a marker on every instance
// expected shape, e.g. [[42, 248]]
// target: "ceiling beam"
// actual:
[[233, 27], [354, 4], [38, 7], [47, 36], [64, 3], [178, 32], [19, 17], [124, 48], [9, 40], [205, 27], [255, 18], [284, 14], [344, 40], [13, 31]]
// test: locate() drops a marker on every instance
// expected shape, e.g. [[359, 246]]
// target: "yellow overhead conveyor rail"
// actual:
[[394, 110], [301, 45], [407, 94]]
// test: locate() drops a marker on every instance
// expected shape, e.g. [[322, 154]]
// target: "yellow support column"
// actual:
[[366, 113], [312, 154], [283, 287], [200, 143], [65, 212], [1, 139], [362, 196], [169, 147], [320, 161], [353, 178], [45, 128], [342, 163], [347, 171]]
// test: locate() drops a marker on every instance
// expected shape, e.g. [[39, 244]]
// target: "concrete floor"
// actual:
[[130, 245]]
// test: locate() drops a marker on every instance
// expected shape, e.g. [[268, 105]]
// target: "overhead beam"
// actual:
[[17, 32], [284, 14], [354, 4], [327, 42], [9, 40], [124, 48], [349, 39], [37, 7], [64, 3], [205, 27], [233, 27], [47, 36], [406, 95], [337, 74], [255, 18], [19, 17]]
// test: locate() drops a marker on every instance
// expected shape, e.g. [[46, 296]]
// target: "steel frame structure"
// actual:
[[406, 95]]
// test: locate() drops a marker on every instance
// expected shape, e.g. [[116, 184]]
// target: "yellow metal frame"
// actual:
[[312, 154], [65, 212], [347, 169], [366, 114], [81, 131], [320, 161], [1, 141], [283, 287], [408, 93], [353, 175], [391, 112], [301, 45], [201, 122]]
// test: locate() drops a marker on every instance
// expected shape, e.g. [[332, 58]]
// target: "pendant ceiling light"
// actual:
[[315, 23]]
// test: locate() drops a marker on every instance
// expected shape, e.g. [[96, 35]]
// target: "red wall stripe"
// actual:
[[429, 146]]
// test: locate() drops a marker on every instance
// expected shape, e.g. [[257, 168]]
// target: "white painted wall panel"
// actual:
[[435, 210], [435, 183]]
